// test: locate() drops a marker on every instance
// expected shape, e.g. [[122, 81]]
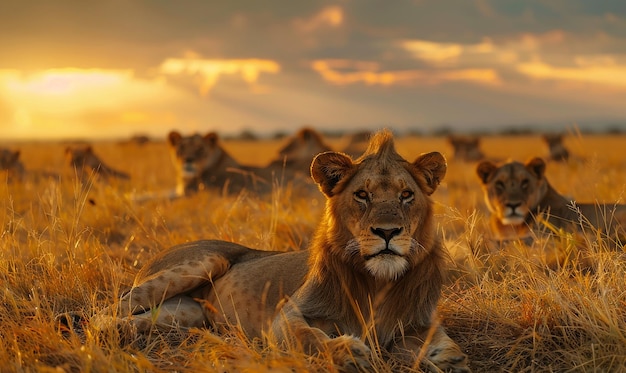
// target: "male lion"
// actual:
[[518, 194], [86, 163], [373, 273]]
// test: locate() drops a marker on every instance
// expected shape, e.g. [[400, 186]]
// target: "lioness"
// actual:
[[518, 194], [201, 162], [556, 149], [296, 155], [84, 160], [374, 271], [466, 148], [11, 164], [357, 143]]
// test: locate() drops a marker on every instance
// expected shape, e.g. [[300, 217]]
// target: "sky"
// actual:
[[116, 68]]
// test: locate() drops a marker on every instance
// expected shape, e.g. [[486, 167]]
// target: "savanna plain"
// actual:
[[72, 245]]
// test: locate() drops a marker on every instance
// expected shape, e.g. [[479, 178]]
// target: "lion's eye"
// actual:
[[361, 195], [499, 186], [525, 184], [406, 195]]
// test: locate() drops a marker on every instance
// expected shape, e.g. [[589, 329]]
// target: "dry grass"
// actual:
[[556, 306]]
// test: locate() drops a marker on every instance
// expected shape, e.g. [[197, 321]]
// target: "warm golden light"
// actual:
[[334, 71], [329, 17], [435, 53], [446, 54], [606, 74], [209, 70], [59, 82], [74, 102]]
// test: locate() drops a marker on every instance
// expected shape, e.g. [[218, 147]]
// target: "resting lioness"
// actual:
[[87, 164], [466, 148], [373, 273], [518, 194], [296, 155], [11, 165], [556, 148], [201, 162]]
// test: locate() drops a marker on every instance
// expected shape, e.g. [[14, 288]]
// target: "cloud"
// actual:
[[208, 71], [346, 72], [438, 54], [329, 17], [599, 70], [541, 57]]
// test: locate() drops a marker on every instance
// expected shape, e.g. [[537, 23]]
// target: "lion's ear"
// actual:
[[174, 137], [432, 166], [328, 168], [211, 138], [537, 166], [484, 170]]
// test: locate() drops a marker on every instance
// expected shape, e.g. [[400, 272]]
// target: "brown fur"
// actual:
[[556, 149], [466, 148], [11, 165], [524, 186], [87, 164], [374, 271], [201, 162], [297, 154], [357, 143]]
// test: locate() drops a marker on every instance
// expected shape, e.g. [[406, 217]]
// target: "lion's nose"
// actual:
[[386, 234], [513, 206]]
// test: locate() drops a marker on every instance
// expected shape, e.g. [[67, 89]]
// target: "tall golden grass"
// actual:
[[558, 305]]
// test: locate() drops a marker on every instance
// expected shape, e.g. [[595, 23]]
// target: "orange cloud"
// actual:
[[331, 16], [444, 54], [602, 70], [334, 71], [435, 53], [209, 70]]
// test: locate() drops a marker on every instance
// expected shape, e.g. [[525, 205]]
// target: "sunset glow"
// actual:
[[63, 82], [58, 101], [609, 75], [209, 71], [241, 66], [369, 74]]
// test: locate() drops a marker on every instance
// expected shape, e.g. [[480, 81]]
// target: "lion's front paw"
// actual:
[[349, 354], [448, 358]]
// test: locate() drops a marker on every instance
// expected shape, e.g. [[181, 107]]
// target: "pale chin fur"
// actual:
[[387, 267], [512, 220], [187, 175]]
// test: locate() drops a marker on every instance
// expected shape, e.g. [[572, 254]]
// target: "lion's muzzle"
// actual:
[[386, 233], [514, 214]]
